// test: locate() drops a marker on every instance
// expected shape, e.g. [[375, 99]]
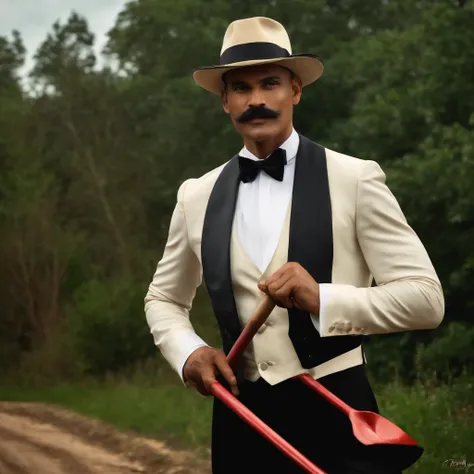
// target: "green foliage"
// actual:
[[108, 326], [434, 183], [407, 80], [438, 416], [91, 158], [442, 353], [12, 57], [450, 353], [55, 359], [390, 356], [68, 47]]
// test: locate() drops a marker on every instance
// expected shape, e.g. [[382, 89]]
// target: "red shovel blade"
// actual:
[[368, 427], [372, 428], [386, 441]]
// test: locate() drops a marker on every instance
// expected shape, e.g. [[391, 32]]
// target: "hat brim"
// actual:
[[306, 66]]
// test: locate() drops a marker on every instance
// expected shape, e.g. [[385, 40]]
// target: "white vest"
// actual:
[[271, 354]]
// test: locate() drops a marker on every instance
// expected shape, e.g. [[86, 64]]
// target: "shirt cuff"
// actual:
[[189, 343], [318, 319]]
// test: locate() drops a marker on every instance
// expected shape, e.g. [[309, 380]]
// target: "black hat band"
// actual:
[[252, 51]]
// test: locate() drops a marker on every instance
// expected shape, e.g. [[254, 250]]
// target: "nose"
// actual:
[[257, 99]]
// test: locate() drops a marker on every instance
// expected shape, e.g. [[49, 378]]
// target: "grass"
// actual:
[[439, 417], [143, 404]]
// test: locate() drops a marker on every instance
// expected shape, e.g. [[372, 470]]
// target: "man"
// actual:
[[309, 227]]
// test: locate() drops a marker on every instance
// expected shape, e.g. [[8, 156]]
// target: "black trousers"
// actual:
[[307, 421]]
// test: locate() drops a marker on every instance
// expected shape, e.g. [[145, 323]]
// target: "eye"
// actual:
[[271, 83], [239, 88]]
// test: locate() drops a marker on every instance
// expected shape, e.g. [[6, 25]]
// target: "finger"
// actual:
[[200, 388], [277, 284], [198, 385], [286, 292], [228, 374], [276, 275], [274, 289], [208, 378]]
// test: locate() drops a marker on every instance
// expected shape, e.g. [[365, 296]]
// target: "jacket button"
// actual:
[[262, 328], [263, 366]]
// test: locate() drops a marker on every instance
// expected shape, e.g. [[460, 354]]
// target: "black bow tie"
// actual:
[[274, 166]]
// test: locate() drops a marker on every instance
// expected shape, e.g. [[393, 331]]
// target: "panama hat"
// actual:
[[254, 41]]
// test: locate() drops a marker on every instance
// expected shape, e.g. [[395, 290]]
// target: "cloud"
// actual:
[[34, 19]]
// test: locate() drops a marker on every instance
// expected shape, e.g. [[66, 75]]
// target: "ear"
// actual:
[[297, 87], [225, 102]]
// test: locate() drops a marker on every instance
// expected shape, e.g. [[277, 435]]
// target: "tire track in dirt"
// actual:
[[20, 458], [44, 439], [30, 444]]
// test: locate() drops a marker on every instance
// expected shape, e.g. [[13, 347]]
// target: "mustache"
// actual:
[[257, 112]]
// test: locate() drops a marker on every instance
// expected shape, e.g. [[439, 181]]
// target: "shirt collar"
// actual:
[[290, 146]]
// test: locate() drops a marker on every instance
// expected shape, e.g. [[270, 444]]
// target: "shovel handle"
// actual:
[[257, 424], [253, 325], [261, 314], [325, 393]]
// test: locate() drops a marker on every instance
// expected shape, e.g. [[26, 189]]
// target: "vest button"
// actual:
[[263, 366], [262, 328]]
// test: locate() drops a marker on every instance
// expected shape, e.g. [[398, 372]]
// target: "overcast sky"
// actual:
[[34, 18]]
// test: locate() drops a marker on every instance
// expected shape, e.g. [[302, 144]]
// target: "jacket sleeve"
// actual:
[[171, 293], [408, 295]]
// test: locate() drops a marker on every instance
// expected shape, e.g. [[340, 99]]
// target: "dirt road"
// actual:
[[44, 439]]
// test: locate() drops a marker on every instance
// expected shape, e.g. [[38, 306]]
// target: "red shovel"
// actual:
[[388, 442]]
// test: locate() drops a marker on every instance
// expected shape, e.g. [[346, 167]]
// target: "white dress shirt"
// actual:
[[259, 214]]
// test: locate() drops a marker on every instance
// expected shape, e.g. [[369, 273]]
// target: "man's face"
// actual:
[[260, 100]]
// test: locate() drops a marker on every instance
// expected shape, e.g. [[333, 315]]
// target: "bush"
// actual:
[[56, 359], [407, 355], [391, 356], [450, 353], [108, 325]]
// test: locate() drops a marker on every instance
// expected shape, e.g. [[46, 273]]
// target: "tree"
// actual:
[[91, 159]]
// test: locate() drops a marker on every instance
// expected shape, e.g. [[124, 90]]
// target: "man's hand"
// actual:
[[202, 367], [292, 285]]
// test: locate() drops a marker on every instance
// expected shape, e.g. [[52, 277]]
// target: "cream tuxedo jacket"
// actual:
[[371, 241]]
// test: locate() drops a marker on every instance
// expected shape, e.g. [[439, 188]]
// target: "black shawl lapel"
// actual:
[[215, 252], [310, 241], [311, 245], [311, 217]]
